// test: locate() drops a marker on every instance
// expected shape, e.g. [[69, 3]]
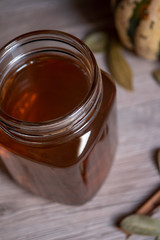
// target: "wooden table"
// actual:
[[133, 176]]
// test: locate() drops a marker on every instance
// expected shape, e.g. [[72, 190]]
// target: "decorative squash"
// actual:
[[138, 26]]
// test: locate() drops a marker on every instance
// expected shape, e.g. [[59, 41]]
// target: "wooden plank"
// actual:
[[133, 176], [120, 194]]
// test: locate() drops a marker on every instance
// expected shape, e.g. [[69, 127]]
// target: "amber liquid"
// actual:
[[44, 88]]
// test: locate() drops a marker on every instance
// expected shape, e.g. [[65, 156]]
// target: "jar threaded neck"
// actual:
[[71, 123]]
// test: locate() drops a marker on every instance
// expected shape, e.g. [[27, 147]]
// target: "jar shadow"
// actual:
[[4, 170]]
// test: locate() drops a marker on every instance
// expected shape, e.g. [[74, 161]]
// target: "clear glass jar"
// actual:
[[67, 158]]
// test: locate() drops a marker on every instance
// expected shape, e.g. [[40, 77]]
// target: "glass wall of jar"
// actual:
[[57, 116]]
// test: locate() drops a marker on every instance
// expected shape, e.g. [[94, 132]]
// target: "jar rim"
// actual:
[[68, 120]]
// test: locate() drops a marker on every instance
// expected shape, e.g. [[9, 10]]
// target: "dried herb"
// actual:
[[156, 75], [118, 66], [141, 225], [147, 208], [97, 41]]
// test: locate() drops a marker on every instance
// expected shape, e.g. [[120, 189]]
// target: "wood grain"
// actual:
[[134, 175]]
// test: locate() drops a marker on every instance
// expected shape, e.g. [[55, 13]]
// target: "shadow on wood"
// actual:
[[94, 11], [4, 170], [155, 158]]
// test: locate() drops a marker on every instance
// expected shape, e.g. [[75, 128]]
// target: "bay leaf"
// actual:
[[118, 66], [97, 41], [156, 75], [141, 225]]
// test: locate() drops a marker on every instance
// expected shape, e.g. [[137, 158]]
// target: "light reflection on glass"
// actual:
[[83, 142]]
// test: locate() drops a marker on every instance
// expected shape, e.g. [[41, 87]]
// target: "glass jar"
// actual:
[[66, 158]]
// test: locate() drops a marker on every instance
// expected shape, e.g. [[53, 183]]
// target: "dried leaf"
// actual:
[[118, 66], [97, 41], [141, 225], [151, 207], [158, 238], [158, 159], [156, 75]]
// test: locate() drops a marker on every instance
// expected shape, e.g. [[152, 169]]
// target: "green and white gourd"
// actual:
[[138, 26]]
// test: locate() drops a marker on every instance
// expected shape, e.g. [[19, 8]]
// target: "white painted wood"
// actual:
[[134, 175]]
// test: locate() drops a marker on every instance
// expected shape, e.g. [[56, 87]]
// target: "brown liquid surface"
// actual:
[[44, 88]]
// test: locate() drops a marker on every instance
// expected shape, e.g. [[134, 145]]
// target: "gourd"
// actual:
[[138, 25]]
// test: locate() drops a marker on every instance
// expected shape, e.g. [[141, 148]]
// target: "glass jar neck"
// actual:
[[60, 43]]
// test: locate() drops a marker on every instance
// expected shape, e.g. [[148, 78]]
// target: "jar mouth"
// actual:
[[73, 119]]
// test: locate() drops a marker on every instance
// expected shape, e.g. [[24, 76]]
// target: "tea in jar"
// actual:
[[57, 116]]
